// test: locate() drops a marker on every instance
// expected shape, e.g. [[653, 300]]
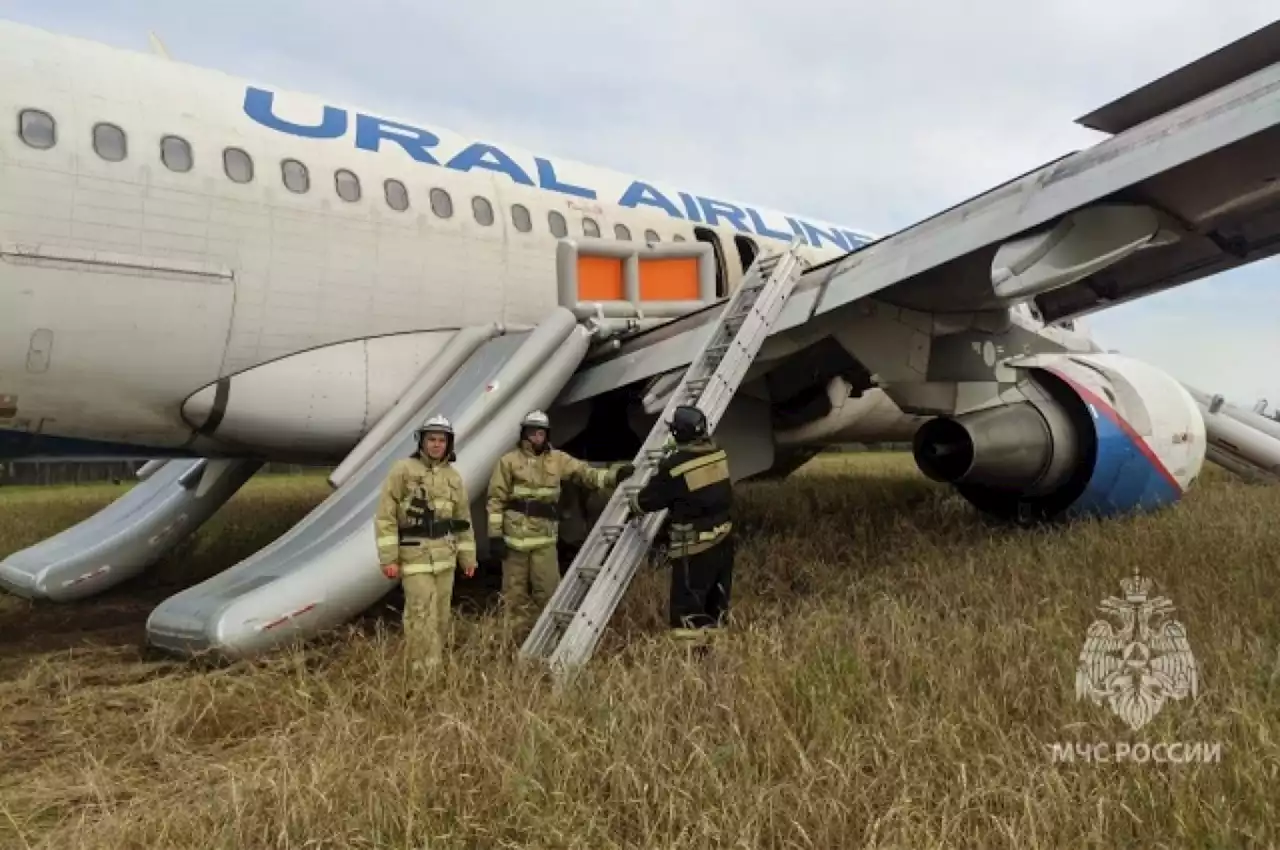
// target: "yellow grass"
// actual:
[[896, 675]]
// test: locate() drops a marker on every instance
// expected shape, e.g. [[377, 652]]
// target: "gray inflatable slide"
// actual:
[[324, 570], [126, 537], [1240, 440]]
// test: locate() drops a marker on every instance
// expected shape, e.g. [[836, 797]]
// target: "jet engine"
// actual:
[[1090, 434]]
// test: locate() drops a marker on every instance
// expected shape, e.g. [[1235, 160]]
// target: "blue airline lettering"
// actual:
[[716, 210], [480, 155], [814, 235], [259, 104], [765, 230], [855, 240], [690, 206], [547, 180], [371, 131], [643, 193]]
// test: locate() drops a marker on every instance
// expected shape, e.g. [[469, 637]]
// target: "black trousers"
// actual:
[[700, 587]]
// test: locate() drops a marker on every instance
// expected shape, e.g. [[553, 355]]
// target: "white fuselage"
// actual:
[[164, 226]]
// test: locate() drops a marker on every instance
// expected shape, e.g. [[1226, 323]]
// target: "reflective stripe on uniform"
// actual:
[[690, 465], [691, 635], [388, 541], [522, 491], [703, 471], [686, 541], [495, 524], [524, 544], [433, 566]]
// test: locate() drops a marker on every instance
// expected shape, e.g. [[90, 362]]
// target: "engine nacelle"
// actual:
[[1096, 434]]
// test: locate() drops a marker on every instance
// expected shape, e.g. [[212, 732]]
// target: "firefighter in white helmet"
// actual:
[[523, 498], [423, 532]]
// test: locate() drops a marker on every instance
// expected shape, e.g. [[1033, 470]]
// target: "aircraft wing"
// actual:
[[1188, 186], [1185, 188]]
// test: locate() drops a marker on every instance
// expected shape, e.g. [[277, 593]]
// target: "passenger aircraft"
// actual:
[[170, 233], [198, 266]]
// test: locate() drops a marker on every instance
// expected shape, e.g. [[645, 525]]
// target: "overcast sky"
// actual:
[[870, 115]]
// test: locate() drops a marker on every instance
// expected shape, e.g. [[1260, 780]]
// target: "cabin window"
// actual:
[[622, 232], [347, 184], [441, 203], [37, 129], [747, 251], [175, 153], [482, 210], [556, 222], [590, 228], [237, 164], [651, 236], [397, 195], [521, 219], [295, 176], [109, 142], [678, 238]]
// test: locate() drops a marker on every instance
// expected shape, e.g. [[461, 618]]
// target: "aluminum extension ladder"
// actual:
[[571, 624]]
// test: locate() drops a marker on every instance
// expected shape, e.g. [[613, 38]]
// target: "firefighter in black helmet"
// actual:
[[692, 483]]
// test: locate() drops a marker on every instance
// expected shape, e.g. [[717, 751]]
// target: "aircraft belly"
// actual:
[[314, 404]]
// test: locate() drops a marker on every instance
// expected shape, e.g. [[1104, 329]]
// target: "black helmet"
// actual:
[[688, 424]]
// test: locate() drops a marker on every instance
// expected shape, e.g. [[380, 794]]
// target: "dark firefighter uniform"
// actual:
[[422, 527], [523, 500], [692, 483]]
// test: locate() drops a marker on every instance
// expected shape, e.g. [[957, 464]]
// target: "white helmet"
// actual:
[[536, 419], [436, 425], [439, 424]]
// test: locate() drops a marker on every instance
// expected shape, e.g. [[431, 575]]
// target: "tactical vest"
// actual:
[[693, 484], [524, 494], [423, 518]]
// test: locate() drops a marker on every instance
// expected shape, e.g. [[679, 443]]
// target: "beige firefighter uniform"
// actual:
[[423, 523], [524, 493]]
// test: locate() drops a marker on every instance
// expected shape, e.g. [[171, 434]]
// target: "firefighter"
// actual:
[[692, 482], [423, 531], [524, 494]]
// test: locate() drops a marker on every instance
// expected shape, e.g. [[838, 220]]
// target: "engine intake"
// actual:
[[1094, 434], [1026, 446]]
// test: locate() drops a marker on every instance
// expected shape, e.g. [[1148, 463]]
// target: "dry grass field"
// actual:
[[896, 676]]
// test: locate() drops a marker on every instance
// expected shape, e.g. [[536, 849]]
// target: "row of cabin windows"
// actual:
[[39, 130]]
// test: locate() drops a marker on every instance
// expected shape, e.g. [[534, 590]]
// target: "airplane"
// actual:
[[215, 273]]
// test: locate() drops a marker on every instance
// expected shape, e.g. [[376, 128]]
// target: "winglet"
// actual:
[[157, 46], [1224, 66]]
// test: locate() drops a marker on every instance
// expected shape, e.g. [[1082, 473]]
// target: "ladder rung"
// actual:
[[561, 636]]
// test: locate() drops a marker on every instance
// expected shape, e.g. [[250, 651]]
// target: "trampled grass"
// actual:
[[896, 677]]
